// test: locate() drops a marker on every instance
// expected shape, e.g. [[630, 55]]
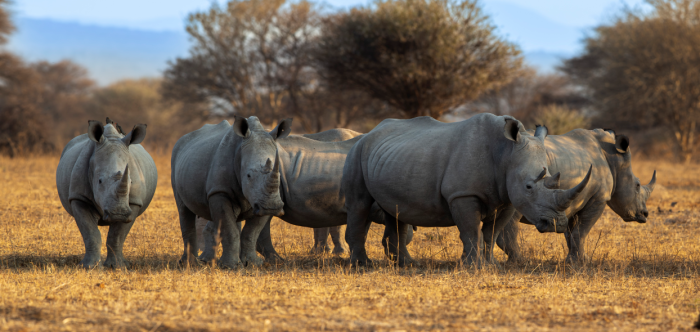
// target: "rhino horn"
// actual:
[[268, 166], [650, 187], [273, 181], [124, 182], [567, 196]]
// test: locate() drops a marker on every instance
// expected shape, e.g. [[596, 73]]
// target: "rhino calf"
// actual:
[[106, 178]]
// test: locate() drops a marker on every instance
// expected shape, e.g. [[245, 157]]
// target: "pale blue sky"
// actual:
[[118, 39], [170, 14]]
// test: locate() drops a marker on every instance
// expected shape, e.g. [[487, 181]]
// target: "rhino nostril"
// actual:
[[645, 213]]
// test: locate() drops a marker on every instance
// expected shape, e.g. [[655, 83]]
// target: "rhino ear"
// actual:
[[136, 135], [240, 126], [282, 130], [95, 130], [512, 130], [622, 143]]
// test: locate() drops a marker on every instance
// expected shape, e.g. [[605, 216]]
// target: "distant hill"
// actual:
[[109, 53], [114, 53]]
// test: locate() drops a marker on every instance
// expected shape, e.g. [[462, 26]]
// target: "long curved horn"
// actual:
[[124, 182], [565, 197]]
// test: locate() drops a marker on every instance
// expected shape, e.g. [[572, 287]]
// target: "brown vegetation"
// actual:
[[640, 277]]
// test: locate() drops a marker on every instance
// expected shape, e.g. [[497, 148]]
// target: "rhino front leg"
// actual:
[[189, 234], [335, 237], [249, 237], [321, 240], [86, 218], [226, 214], [210, 237], [395, 238], [492, 229], [115, 242], [466, 213], [264, 245], [578, 229], [509, 240]]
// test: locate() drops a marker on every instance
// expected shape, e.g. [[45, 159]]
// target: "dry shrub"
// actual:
[[560, 119]]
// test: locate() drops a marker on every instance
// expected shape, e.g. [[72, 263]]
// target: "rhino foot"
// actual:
[[188, 261], [338, 250], [115, 262], [251, 260], [406, 261], [90, 261], [576, 258], [207, 256], [229, 263], [360, 261], [319, 250]]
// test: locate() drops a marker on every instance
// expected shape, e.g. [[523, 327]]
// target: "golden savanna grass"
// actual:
[[640, 277]]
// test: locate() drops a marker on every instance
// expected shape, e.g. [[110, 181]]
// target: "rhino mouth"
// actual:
[[259, 210], [110, 218], [550, 225]]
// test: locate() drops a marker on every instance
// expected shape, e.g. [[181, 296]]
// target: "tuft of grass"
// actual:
[[642, 277]]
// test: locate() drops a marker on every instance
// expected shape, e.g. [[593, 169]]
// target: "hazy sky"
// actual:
[[170, 14]]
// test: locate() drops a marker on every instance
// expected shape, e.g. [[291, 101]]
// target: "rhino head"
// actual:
[[532, 190], [109, 169], [259, 164], [629, 198]]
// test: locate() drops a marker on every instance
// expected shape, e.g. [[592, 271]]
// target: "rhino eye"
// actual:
[[528, 186], [100, 181], [248, 175]]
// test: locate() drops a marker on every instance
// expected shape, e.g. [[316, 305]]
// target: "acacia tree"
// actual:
[[645, 69], [421, 56], [252, 57]]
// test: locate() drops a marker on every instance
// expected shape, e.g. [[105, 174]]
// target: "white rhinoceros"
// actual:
[[105, 178], [613, 184], [227, 174], [436, 174]]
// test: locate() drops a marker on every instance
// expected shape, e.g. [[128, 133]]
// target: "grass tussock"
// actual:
[[639, 276]]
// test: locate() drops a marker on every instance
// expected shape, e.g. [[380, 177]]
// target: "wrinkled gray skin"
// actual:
[[311, 172], [444, 174], [228, 174], [613, 183], [106, 179]]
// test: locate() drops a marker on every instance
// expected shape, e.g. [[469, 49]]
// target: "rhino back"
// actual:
[[334, 135], [191, 161], [572, 154], [75, 157], [420, 165], [311, 178]]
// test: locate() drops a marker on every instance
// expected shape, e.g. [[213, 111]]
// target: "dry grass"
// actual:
[[641, 277]]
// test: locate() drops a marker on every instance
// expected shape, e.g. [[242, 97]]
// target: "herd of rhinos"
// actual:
[[481, 175]]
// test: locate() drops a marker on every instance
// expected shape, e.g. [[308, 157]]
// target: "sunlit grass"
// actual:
[[640, 276]]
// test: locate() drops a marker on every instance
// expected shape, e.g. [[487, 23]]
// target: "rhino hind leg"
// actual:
[[189, 234], [115, 243], [264, 245], [226, 213], [321, 240], [86, 217], [466, 212], [337, 243], [249, 237]]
